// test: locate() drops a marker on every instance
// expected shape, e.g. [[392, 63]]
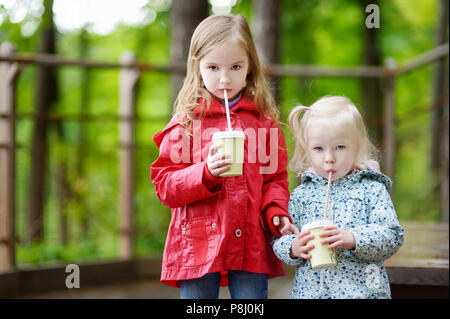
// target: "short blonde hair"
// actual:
[[210, 33], [341, 111]]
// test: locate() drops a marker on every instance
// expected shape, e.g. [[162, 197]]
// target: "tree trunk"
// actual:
[[82, 140], [371, 87], [46, 94], [266, 31], [63, 191], [186, 15], [438, 90], [444, 157]]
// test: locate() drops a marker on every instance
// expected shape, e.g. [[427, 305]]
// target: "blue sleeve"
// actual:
[[282, 246], [382, 236]]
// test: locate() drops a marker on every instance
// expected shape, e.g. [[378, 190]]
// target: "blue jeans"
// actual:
[[242, 285]]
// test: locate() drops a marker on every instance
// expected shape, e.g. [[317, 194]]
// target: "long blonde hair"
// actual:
[[210, 33], [341, 111]]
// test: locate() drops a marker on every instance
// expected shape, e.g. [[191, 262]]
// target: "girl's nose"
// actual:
[[329, 158], [224, 78]]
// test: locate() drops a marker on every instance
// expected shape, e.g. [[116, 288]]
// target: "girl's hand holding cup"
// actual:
[[217, 163], [337, 237], [300, 246]]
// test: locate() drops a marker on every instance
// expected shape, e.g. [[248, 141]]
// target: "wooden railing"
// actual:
[[12, 64]]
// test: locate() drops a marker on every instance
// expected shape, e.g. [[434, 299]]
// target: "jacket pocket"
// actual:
[[200, 241]]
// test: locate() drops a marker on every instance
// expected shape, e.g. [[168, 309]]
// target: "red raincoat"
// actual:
[[221, 224]]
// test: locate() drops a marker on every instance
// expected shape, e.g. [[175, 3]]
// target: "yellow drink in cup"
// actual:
[[321, 256], [232, 143]]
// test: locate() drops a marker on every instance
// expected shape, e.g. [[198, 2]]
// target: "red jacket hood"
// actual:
[[216, 107]]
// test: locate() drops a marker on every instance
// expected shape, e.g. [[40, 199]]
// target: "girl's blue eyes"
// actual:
[[215, 68], [320, 148]]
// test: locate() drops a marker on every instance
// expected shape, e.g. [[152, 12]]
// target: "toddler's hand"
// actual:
[[300, 246], [337, 237], [217, 163], [284, 226]]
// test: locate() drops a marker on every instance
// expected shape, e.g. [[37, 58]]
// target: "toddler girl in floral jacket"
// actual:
[[331, 137]]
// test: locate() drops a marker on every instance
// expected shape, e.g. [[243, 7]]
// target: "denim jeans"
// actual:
[[242, 285]]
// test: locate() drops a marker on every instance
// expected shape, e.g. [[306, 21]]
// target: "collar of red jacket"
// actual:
[[218, 108], [215, 108]]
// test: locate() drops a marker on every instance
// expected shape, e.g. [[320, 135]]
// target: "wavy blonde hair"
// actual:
[[210, 33], [341, 111]]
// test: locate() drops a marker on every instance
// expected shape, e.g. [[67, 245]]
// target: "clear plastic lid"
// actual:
[[228, 134], [316, 224]]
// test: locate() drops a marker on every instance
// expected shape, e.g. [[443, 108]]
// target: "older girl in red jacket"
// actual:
[[221, 227]]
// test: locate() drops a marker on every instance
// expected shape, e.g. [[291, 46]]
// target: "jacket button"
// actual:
[[238, 233], [213, 225], [184, 230]]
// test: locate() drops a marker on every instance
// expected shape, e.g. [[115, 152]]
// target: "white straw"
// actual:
[[328, 195], [227, 110]]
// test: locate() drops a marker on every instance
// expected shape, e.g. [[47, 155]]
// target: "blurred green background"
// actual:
[[312, 32]]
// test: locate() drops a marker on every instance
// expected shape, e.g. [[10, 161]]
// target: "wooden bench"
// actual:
[[420, 268]]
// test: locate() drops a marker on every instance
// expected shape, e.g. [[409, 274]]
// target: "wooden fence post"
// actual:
[[389, 118], [9, 73], [128, 80], [444, 157]]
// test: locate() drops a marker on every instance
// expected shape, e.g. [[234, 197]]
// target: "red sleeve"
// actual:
[[272, 211], [177, 182], [275, 187], [209, 179]]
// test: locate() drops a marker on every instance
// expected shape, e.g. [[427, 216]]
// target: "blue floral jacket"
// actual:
[[359, 203]]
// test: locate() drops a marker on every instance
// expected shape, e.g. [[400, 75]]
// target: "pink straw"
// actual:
[[328, 195]]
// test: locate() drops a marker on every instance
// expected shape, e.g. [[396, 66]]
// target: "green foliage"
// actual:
[[311, 32], [49, 252]]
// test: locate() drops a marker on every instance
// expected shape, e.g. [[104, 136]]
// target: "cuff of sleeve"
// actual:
[[208, 179], [359, 250], [271, 211], [282, 248]]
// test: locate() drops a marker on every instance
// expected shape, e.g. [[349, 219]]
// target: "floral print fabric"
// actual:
[[359, 203]]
